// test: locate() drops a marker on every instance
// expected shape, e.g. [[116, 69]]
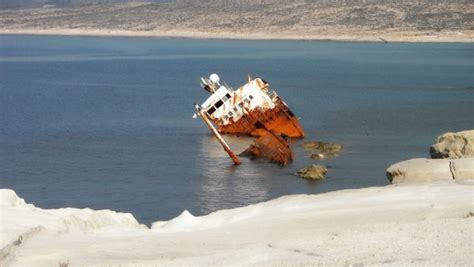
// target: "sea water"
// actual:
[[106, 123]]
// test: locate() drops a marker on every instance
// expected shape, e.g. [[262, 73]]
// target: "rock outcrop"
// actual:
[[453, 145], [462, 169], [321, 150], [452, 159], [427, 170], [314, 172]]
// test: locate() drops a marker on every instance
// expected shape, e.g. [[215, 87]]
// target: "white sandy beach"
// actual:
[[411, 224]]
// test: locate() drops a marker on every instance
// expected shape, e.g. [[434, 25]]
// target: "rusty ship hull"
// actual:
[[280, 120], [252, 110]]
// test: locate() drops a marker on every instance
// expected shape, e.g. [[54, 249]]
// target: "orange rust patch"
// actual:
[[280, 120], [271, 146]]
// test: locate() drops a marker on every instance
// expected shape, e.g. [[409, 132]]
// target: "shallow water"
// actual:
[[106, 122]]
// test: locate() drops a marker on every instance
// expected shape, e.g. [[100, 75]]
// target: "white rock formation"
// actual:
[[462, 169], [397, 225], [453, 145], [419, 170], [453, 159], [59, 221], [426, 170]]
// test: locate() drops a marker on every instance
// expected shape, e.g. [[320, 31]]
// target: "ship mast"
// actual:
[[226, 147], [212, 84]]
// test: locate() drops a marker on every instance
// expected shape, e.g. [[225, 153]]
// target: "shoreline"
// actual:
[[386, 37], [395, 225]]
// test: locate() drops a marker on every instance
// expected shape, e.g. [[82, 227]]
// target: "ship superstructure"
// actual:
[[254, 110]]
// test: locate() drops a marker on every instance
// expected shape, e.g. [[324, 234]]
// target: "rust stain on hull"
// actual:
[[271, 146], [252, 110], [280, 120]]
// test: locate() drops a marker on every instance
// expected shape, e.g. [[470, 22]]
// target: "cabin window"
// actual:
[[226, 97], [218, 104], [226, 117], [250, 96], [211, 110], [236, 110], [231, 114], [241, 105]]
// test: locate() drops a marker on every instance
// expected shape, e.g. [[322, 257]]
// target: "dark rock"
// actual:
[[321, 150], [314, 172]]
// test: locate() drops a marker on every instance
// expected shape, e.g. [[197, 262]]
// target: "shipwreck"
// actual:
[[255, 110]]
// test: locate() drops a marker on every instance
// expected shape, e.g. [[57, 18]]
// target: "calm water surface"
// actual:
[[106, 123]]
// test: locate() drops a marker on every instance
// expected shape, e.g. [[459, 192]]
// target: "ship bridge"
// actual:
[[225, 106]]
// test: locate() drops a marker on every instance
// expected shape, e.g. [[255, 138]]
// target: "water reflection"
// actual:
[[222, 182]]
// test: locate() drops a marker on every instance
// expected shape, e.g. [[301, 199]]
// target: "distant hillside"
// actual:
[[298, 17], [5, 4]]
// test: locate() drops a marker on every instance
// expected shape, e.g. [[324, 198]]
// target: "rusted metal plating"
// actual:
[[251, 110]]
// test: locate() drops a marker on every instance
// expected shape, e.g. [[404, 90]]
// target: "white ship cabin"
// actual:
[[227, 106]]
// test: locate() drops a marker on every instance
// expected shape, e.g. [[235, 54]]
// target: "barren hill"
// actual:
[[305, 19]]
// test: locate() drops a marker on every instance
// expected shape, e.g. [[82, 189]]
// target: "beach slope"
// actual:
[[409, 224]]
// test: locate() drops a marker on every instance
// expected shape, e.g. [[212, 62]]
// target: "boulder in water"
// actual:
[[321, 150], [314, 172], [318, 156]]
